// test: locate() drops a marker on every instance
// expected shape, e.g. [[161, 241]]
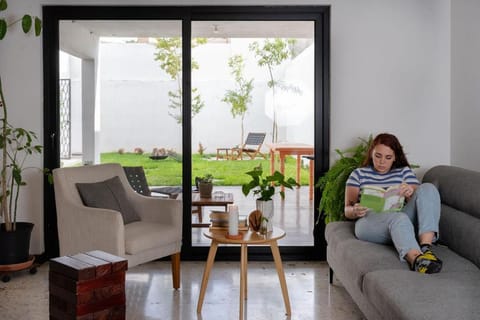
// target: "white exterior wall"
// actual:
[[390, 71]]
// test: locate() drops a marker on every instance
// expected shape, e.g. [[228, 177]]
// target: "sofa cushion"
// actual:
[[108, 194], [403, 294], [143, 235]]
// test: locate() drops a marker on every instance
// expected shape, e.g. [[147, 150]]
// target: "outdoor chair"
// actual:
[[251, 147], [98, 210], [138, 180]]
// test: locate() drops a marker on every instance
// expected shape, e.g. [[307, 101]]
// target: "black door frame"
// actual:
[[321, 17]]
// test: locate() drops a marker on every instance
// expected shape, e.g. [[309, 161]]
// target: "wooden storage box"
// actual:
[[87, 286]]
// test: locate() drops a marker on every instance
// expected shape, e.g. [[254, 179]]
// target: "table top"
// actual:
[[291, 147], [226, 198], [249, 237]]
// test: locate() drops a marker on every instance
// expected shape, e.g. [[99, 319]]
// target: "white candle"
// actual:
[[233, 219]]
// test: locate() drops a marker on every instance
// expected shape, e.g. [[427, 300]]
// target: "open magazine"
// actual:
[[382, 200]]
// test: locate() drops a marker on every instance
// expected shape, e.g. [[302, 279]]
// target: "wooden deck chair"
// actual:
[[251, 147]]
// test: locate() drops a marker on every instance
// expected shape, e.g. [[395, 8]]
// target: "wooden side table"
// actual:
[[249, 238]]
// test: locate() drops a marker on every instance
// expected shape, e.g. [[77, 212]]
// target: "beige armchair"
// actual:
[[157, 234]]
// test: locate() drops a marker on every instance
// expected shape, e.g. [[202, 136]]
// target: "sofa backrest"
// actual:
[[460, 217]]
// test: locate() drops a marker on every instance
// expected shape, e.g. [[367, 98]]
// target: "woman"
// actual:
[[386, 165]]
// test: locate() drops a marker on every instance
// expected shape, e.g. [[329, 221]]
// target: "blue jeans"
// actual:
[[421, 214]]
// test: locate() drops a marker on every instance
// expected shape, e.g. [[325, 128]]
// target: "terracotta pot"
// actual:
[[15, 245]]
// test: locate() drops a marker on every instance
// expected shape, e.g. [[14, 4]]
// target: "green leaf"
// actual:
[[3, 28], [3, 5], [38, 26], [26, 23]]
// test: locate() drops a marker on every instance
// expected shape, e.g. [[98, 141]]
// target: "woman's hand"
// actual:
[[406, 190], [358, 211]]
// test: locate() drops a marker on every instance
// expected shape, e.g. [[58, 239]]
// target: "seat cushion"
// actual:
[[141, 236], [404, 294], [108, 194]]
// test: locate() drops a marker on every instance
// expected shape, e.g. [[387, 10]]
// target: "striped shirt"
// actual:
[[368, 176]]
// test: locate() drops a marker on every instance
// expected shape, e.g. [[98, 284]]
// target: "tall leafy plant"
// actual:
[[169, 54], [16, 143], [242, 95], [332, 184], [271, 54]]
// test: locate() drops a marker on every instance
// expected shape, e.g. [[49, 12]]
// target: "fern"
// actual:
[[332, 184]]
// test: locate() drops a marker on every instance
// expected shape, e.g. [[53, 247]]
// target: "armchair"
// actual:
[[157, 234]]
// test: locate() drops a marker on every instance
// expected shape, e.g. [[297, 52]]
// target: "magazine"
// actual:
[[382, 200]]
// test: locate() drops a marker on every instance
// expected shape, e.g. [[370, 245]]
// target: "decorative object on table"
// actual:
[[16, 144], [332, 183], [232, 220], [264, 188], [158, 154], [205, 185], [255, 220]]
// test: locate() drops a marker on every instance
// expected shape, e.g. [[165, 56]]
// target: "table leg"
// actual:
[[272, 161], [282, 168], [206, 274], [243, 278], [299, 162], [281, 275], [311, 182]]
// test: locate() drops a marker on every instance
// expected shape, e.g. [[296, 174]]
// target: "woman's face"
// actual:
[[383, 158]]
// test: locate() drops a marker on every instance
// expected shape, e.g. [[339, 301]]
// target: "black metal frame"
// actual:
[[321, 17]]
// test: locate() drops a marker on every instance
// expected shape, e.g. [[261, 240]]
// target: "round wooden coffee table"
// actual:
[[249, 238]]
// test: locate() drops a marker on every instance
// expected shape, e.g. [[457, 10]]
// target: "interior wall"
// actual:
[[390, 71], [465, 111]]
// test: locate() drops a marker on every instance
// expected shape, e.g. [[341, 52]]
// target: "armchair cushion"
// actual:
[[108, 194]]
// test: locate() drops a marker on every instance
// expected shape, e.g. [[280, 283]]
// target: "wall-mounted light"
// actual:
[[215, 29]]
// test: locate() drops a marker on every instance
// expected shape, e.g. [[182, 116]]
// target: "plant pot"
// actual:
[[266, 207], [15, 245], [205, 189]]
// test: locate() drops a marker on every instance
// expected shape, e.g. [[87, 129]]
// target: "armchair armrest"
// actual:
[[82, 228], [162, 210]]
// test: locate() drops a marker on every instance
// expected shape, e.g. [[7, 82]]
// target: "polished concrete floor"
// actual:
[[150, 295]]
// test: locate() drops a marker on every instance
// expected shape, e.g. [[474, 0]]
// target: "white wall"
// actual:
[[465, 111], [390, 71]]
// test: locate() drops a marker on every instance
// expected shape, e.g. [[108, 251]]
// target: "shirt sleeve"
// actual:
[[409, 176], [353, 180]]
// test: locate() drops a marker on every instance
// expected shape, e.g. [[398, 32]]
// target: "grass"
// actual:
[[168, 172]]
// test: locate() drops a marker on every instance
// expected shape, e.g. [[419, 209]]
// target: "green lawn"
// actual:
[[226, 173]]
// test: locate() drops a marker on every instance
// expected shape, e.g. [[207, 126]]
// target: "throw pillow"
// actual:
[[108, 194]]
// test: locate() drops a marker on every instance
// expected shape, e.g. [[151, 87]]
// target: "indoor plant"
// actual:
[[16, 144], [264, 187], [332, 183]]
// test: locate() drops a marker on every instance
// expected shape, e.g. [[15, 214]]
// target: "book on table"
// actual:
[[219, 221], [379, 199]]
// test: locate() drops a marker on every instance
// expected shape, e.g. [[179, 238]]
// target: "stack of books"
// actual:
[[219, 221]]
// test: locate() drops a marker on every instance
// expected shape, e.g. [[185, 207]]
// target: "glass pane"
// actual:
[[252, 81], [116, 98]]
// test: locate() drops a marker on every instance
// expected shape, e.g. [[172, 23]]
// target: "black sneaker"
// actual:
[[427, 262]]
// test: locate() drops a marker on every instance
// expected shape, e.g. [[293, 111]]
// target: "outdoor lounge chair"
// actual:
[[251, 147]]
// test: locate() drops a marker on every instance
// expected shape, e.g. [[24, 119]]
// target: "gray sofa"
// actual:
[[385, 288]]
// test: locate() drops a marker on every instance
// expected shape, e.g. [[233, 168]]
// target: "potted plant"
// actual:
[[205, 185], [264, 187], [16, 144], [332, 183]]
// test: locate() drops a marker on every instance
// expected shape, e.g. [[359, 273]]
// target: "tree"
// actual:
[[169, 53], [271, 54], [241, 96]]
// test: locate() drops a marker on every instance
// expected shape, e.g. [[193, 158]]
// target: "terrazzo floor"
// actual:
[[150, 295]]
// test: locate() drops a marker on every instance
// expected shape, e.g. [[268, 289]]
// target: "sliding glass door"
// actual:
[[177, 91]]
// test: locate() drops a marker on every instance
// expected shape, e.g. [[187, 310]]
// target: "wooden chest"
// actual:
[[87, 286]]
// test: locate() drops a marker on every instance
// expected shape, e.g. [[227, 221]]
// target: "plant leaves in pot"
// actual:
[[16, 145], [205, 185], [264, 188]]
